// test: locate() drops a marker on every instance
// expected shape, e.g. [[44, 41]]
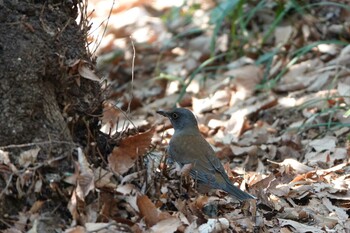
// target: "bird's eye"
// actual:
[[174, 115]]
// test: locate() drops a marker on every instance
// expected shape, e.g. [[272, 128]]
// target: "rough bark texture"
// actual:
[[37, 42], [43, 101]]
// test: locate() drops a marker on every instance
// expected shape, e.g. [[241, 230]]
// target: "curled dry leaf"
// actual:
[[124, 156], [215, 225], [246, 78], [110, 117], [87, 73], [298, 77], [299, 227], [73, 206], [28, 157], [220, 99], [170, 224], [298, 167], [86, 181], [149, 211], [103, 178], [326, 143]]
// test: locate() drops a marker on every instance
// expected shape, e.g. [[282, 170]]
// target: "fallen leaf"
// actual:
[[167, 225], [215, 225], [298, 167], [28, 157], [124, 156], [299, 227], [148, 210], [85, 181], [87, 73], [326, 143], [283, 34], [246, 78]]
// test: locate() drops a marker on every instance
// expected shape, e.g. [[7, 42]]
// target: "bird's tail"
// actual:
[[237, 193]]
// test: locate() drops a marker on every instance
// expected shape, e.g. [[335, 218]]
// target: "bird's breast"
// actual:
[[189, 148]]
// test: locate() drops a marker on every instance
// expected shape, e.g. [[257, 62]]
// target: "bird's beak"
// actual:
[[163, 113]]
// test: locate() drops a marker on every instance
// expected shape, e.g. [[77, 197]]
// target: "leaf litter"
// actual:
[[287, 146]]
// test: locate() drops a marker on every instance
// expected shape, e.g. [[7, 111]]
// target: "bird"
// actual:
[[188, 146]]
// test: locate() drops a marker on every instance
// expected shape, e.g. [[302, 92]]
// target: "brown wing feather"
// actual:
[[207, 168], [196, 150]]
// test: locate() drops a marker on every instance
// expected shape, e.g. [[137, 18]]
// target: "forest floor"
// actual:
[[269, 84]]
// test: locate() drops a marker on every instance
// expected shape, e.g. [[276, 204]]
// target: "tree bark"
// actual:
[[38, 94], [44, 103]]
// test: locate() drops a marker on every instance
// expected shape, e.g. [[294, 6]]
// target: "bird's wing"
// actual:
[[196, 150], [207, 168]]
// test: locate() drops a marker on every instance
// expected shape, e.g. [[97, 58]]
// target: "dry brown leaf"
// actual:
[[73, 206], [235, 125], [342, 216], [319, 80], [36, 207], [344, 90], [87, 73], [28, 157], [246, 78], [326, 158], [331, 49], [108, 204], [77, 229], [287, 152], [103, 178], [309, 99], [13, 230], [220, 99], [299, 227], [148, 210], [110, 116], [215, 225], [247, 224], [337, 168], [240, 150], [201, 201], [325, 220], [38, 186], [124, 156], [283, 34], [299, 76], [4, 157], [298, 167], [343, 58], [85, 181], [170, 224], [96, 227], [126, 189], [285, 230]]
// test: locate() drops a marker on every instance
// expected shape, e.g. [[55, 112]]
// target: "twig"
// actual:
[[105, 29], [7, 186], [132, 73], [36, 144]]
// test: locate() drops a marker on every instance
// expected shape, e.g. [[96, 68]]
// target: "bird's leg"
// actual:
[[195, 181]]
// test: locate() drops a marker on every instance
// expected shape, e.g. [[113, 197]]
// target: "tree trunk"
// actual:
[[44, 103]]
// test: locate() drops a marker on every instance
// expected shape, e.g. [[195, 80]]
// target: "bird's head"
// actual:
[[181, 119]]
